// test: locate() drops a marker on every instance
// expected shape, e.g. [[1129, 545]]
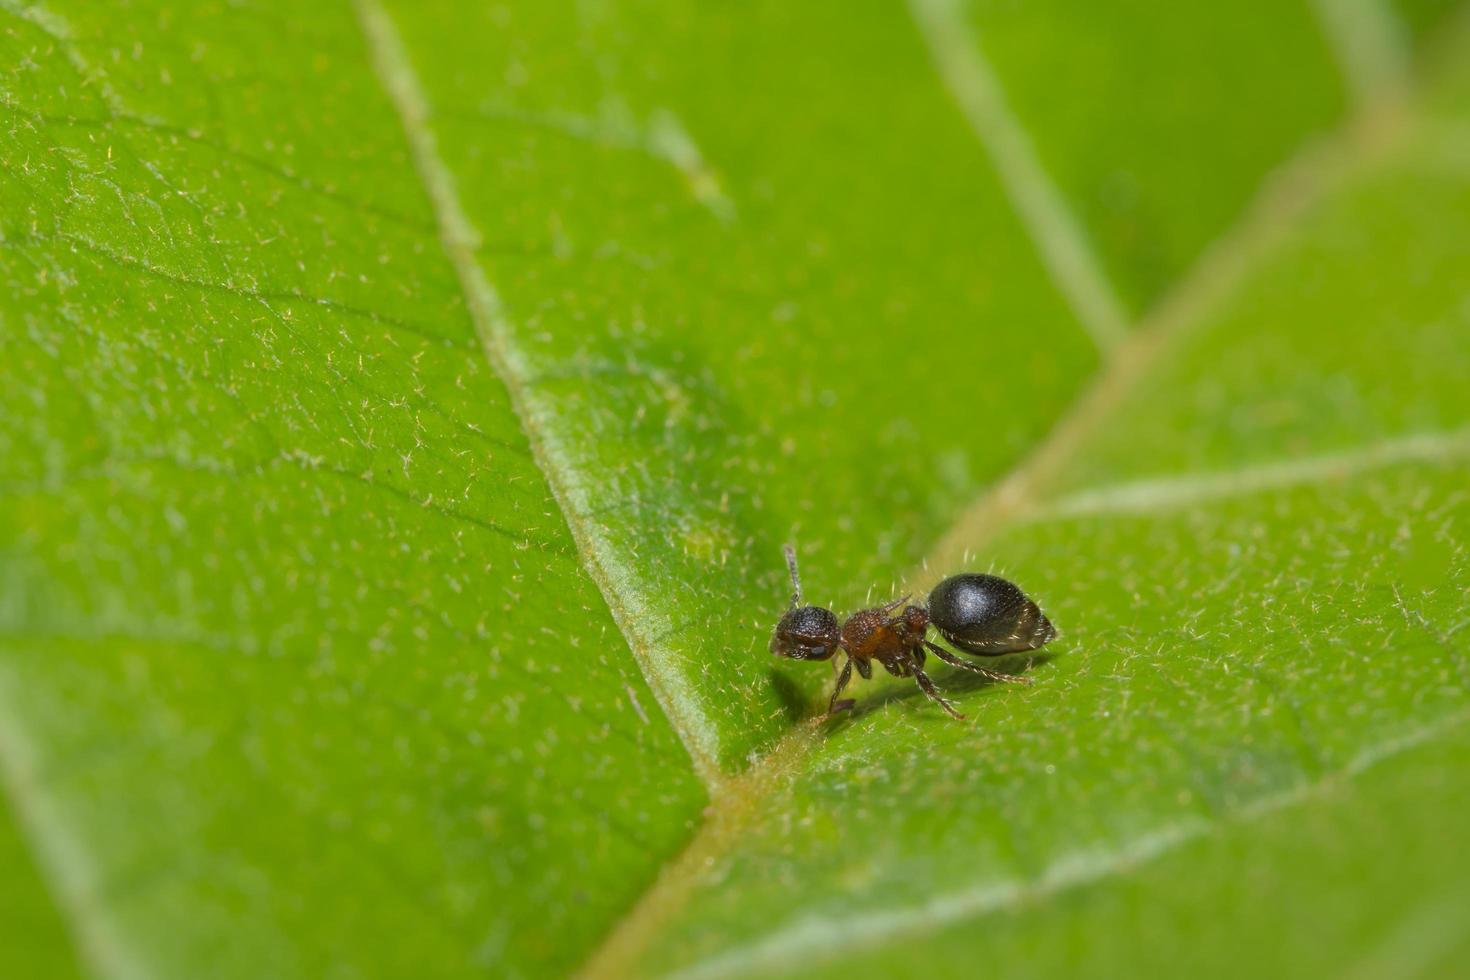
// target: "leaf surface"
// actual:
[[406, 405], [1254, 724], [36, 940], [300, 669]]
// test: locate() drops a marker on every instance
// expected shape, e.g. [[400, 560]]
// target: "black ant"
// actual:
[[979, 614]]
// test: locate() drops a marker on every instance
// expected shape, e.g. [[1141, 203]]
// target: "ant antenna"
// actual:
[[790, 554]]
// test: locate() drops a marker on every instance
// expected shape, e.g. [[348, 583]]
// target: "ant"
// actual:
[[980, 614]]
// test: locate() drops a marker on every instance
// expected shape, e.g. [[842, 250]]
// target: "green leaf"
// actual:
[[405, 405], [300, 670], [1253, 535], [1154, 176], [36, 943]]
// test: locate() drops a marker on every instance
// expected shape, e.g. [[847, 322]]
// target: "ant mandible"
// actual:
[[980, 614]]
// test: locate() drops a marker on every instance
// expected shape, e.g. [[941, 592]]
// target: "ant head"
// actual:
[[805, 632]]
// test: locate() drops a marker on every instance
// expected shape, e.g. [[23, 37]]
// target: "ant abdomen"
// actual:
[[986, 615]]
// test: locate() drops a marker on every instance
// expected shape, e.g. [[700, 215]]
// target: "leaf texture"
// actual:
[[405, 405]]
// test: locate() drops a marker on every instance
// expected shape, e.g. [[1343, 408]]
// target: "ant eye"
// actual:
[[809, 653]]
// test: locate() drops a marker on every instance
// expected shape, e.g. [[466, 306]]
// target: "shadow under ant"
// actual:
[[794, 703], [959, 682]]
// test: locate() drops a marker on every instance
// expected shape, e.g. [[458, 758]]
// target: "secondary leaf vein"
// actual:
[[1370, 44], [806, 940], [1152, 495], [1069, 257]]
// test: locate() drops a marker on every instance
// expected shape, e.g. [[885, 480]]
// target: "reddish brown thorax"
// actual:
[[866, 635], [873, 635]]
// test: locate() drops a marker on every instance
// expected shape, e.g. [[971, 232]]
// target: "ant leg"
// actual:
[[964, 664], [928, 687], [842, 680], [865, 668]]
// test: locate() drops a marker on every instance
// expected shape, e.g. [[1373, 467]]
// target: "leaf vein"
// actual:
[[1281, 201], [1299, 184], [685, 710], [1169, 492], [806, 940], [71, 870], [1069, 257], [1370, 44]]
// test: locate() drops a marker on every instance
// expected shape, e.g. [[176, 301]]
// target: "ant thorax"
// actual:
[[873, 634], [866, 635]]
